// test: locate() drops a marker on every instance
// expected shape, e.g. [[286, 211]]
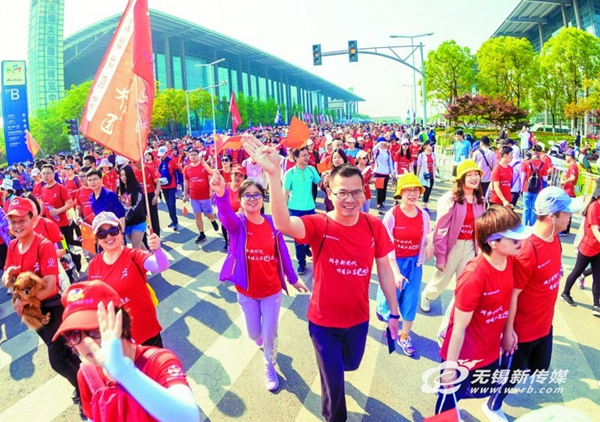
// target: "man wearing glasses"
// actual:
[[196, 189], [345, 243], [298, 184]]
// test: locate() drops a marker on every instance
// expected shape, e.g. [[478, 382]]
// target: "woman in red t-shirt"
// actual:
[[260, 260], [124, 269], [482, 300], [403, 159], [227, 165], [362, 158], [408, 226]]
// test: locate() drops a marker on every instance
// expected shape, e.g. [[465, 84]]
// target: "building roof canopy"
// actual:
[[527, 15]]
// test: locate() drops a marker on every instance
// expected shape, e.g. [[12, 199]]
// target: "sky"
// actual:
[[288, 29]]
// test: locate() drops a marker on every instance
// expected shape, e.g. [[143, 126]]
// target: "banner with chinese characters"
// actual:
[[14, 111]]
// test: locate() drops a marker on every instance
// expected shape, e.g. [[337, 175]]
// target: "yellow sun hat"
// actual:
[[466, 166], [406, 181]]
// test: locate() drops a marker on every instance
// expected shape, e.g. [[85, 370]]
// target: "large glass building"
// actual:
[[539, 20], [180, 46]]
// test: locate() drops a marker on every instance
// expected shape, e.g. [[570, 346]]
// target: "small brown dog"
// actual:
[[26, 288]]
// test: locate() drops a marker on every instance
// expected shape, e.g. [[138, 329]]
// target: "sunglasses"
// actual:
[[74, 337], [224, 160], [103, 234], [248, 196]]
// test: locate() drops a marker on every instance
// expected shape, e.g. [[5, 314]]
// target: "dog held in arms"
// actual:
[[26, 288]]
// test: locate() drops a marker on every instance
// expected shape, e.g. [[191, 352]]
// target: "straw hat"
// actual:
[[406, 181]]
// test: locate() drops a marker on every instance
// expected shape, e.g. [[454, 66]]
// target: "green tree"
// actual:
[[200, 106], [170, 109], [48, 127], [450, 72], [548, 94], [506, 69]]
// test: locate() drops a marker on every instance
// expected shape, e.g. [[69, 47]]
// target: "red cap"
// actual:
[[81, 305], [20, 207], [238, 169]]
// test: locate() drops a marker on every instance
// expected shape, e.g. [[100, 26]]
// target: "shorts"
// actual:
[[141, 227], [201, 205]]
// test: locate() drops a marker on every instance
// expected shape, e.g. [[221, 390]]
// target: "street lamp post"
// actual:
[[412, 44], [187, 105], [212, 86]]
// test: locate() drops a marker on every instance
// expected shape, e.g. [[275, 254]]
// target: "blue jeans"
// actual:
[[528, 204], [301, 249], [169, 195], [337, 350]]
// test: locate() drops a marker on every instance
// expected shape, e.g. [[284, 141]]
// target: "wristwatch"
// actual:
[[394, 316]]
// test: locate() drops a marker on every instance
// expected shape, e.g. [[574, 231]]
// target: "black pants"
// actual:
[[153, 213], [485, 186], [533, 355], [381, 193], [476, 384], [62, 359], [170, 199], [337, 350], [580, 265], [67, 232], [514, 198], [428, 190], [568, 229], [225, 234], [315, 190]]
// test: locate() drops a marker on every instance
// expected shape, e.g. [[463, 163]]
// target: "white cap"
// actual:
[[309, 142], [162, 151], [35, 172], [105, 163]]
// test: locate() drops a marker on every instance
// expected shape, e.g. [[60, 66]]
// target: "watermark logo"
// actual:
[[432, 378]]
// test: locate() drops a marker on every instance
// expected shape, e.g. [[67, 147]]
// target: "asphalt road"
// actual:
[[204, 326]]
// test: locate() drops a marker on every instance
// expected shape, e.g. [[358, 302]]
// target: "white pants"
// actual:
[[462, 252]]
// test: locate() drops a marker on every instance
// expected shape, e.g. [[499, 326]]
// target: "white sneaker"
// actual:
[[9, 291], [272, 378], [493, 415], [425, 305]]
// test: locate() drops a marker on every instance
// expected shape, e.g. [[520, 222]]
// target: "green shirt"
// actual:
[[299, 184]]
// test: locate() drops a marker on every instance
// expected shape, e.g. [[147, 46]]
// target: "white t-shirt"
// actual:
[[524, 140]]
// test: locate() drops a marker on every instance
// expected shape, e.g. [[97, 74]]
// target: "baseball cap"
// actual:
[[69, 166], [105, 163], [20, 207], [105, 218], [35, 172], [554, 199], [238, 169], [309, 142], [7, 184], [81, 305], [329, 141], [162, 151], [520, 232]]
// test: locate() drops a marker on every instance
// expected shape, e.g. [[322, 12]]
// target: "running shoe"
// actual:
[[171, 225], [175, 228], [493, 415], [301, 270], [225, 247], [271, 377], [581, 282], [425, 305], [259, 341], [596, 311], [568, 299], [201, 238], [406, 346], [215, 225]]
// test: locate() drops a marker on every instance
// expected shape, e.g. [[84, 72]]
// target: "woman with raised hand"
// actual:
[[257, 263]]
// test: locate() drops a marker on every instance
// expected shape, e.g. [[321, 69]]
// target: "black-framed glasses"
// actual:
[[74, 337], [248, 196], [356, 194], [103, 234]]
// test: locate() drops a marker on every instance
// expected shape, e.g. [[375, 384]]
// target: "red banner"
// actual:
[[32, 146], [119, 107], [236, 119]]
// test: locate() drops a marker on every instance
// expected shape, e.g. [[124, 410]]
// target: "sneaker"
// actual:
[[425, 305], [75, 397], [581, 282], [426, 210], [215, 225], [406, 346], [271, 377], [225, 247], [562, 234], [596, 311], [172, 225], [493, 415], [201, 238], [9, 291], [568, 299], [301, 270], [259, 341], [175, 228], [308, 252]]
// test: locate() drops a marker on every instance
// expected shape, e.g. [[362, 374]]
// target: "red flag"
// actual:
[[119, 106], [236, 119], [298, 134], [32, 146], [88, 238], [228, 142]]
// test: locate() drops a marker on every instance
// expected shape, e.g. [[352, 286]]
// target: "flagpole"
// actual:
[[139, 131]]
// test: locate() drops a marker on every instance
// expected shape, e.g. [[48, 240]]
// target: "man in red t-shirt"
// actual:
[[534, 169], [502, 177], [82, 198], [345, 243], [569, 181], [196, 189], [56, 199], [538, 269]]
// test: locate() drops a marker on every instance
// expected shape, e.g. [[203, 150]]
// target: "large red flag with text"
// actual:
[[236, 119], [119, 106]]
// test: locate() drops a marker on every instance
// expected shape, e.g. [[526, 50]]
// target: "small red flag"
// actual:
[[228, 142], [88, 238], [236, 119], [298, 134], [119, 106], [32, 146]]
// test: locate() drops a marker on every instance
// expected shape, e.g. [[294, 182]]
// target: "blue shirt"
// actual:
[[299, 183], [461, 150], [108, 201]]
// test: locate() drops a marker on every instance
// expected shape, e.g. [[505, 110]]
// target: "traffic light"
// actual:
[[73, 127], [317, 55], [352, 51]]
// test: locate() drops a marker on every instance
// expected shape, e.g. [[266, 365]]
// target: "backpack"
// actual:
[[534, 184], [110, 402], [165, 173]]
